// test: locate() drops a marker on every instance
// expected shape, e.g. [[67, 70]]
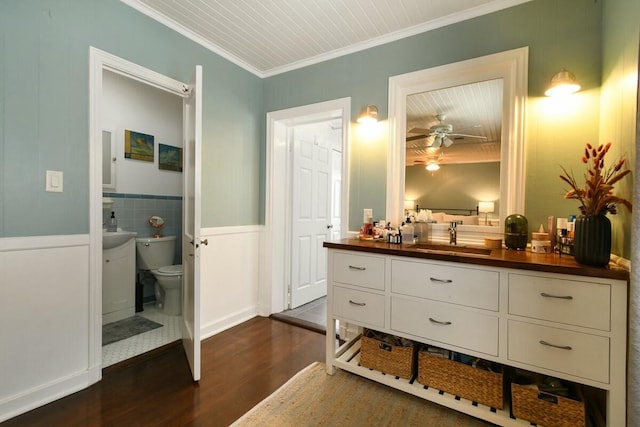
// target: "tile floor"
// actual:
[[138, 344], [314, 312], [312, 315]]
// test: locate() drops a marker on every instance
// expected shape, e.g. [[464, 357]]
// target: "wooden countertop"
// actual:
[[524, 260]]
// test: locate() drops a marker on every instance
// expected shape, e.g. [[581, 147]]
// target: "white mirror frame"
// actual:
[[512, 67]]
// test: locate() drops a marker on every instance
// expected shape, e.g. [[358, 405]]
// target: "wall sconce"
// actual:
[[486, 208], [369, 115], [562, 83]]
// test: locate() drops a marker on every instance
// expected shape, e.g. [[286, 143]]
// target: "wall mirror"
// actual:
[[429, 113], [108, 161]]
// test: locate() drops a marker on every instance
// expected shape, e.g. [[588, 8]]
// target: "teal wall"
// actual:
[[558, 33], [44, 112], [44, 99]]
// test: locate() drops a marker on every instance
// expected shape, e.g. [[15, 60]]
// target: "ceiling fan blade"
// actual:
[[467, 136], [419, 130], [413, 138]]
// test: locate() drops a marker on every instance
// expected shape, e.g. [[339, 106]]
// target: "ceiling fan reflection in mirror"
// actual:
[[440, 132]]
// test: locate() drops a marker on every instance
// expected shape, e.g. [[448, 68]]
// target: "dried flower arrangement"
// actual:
[[597, 198]]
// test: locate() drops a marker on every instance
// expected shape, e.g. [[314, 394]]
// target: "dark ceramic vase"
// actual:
[[592, 245], [516, 232]]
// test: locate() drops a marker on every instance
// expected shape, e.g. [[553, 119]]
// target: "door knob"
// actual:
[[205, 242], [330, 226]]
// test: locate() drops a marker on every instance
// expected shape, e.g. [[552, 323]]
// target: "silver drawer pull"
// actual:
[[546, 295], [359, 304], [353, 267], [435, 279], [562, 347], [431, 319]]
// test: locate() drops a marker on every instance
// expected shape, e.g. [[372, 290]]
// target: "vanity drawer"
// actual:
[[458, 285], [444, 323], [359, 270], [582, 355], [559, 300], [358, 306]]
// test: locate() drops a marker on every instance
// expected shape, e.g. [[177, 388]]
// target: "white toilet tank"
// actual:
[[155, 252]]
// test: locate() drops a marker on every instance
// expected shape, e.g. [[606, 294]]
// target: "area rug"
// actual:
[[126, 328], [313, 398]]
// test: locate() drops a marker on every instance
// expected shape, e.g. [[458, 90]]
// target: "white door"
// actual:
[[311, 211], [336, 194], [191, 223]]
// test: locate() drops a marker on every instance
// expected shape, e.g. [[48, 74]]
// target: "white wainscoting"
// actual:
[[44, 320], [45, 309], [229, 277]]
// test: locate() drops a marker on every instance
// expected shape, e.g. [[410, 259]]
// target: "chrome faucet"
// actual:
[[453, 232]]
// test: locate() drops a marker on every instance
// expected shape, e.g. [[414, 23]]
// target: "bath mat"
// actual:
[[125, 328]]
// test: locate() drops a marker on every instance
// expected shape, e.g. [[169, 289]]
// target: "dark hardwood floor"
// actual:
[[240, 367]]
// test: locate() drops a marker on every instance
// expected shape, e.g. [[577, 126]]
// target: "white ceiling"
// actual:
[[268, 37], [472, 109]]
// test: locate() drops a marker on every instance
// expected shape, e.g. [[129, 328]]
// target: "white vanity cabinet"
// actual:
[[118, 282], [568, 326]]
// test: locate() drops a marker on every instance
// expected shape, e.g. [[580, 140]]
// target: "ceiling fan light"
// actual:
[[447, 141], [369, 115], [562, 83], [432, 166]]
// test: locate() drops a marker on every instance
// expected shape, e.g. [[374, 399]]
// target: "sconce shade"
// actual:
[[562, 83], [369, 115], [486, 207]]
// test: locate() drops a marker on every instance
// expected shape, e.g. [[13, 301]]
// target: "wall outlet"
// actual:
[[368, 213]]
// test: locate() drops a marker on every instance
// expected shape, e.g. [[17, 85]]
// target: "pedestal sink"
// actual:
[[112, 239]]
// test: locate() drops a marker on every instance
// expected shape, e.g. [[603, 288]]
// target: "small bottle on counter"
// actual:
[[113, 223]]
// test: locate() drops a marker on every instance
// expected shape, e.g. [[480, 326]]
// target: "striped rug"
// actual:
[[313, 398]]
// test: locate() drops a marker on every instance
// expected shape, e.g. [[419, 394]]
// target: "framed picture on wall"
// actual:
[[138, 146], [169, 158]]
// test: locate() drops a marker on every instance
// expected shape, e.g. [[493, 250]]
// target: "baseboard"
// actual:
[[220, 325], [46, 393]]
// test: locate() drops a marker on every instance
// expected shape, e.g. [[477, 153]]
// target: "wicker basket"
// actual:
[[546, 409], [383, 357], [461, 380]]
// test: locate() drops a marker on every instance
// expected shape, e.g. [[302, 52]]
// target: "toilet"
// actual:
[[155, 254]]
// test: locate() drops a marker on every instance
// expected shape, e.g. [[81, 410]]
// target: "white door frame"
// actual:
[[273, 290], [99, 61]]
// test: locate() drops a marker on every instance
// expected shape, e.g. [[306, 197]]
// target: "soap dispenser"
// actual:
[[113, 223]]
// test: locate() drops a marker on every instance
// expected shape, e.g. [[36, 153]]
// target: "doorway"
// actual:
[[134, 319], [307, 199], [186, 110]]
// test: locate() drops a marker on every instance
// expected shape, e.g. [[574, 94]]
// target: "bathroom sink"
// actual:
[[458, 249], [112, 239]]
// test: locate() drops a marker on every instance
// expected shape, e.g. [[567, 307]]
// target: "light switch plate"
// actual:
[[54, 181]]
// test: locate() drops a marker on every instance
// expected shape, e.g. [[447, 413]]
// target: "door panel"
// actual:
[[311, 172], [336, 195], [191, 224]]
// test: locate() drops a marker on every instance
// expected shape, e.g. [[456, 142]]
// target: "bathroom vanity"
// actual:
[[543, 313], [118, 281]]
